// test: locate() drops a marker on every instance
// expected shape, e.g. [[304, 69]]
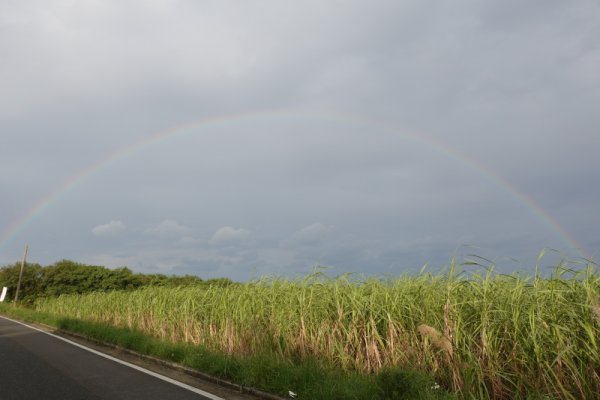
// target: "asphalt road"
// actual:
[[36, 365]]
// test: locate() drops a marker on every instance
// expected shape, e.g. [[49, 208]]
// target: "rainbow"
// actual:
[[44, 202]]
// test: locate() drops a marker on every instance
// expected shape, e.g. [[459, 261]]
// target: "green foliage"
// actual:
[[263, 370], [399, 384], [176, 281], [68, 277], [481, 335], [30, 282]]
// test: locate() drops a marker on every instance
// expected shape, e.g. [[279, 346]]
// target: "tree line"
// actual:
[[69, 277]]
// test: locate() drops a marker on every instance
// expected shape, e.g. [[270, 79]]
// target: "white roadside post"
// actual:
[[3, 295]]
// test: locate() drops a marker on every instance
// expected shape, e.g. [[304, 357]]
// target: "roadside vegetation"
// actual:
[[476, 335], [69, 277]]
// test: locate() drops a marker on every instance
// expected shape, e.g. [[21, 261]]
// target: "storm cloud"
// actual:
[[267, 138]]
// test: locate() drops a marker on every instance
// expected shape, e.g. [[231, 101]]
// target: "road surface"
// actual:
[[37, 365]]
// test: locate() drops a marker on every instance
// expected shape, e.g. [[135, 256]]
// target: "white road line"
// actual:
[[144, 370]]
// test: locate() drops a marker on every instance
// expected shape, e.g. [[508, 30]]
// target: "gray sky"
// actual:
[[266, 137]]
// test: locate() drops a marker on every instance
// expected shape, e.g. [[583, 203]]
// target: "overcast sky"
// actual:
[[251, 138]]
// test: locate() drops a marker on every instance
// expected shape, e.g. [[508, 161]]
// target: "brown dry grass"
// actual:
[[437, 338]]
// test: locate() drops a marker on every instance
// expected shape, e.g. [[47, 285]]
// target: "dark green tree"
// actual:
[[30, 282]]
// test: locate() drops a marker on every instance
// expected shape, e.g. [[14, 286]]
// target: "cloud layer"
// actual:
[[109, 229], [374, 137]]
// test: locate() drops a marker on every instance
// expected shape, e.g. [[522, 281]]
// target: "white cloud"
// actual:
[[112, 228], [168, 228], [313, 230], [311, 234], [227, 234], [166, 261]]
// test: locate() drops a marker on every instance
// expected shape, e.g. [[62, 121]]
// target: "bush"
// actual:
[[399, 384], [69, 277]]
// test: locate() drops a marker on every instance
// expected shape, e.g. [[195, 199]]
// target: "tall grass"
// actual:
[[482, 335]]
